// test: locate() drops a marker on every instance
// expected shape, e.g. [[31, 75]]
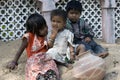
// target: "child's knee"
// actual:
[[80, 47]]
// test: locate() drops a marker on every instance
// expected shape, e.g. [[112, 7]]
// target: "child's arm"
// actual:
[[51, 40], [14, 62], [52, 37]]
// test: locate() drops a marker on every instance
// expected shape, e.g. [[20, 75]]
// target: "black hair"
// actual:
[[74, 5], [34, 23], [59, 12]]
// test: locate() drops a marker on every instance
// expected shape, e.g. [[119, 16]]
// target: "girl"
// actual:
[[34, 41], [62, 50]]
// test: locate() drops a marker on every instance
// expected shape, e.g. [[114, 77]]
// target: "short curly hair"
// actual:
[[59, 12], [74, 5]]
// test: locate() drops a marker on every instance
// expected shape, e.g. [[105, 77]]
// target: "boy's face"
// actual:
[[58, 22], [74, 15]]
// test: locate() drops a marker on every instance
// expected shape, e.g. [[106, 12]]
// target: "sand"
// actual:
[[9, 49]]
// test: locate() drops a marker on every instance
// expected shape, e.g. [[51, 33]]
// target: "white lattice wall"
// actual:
[[13, 15], [91, 13], [117, 20]]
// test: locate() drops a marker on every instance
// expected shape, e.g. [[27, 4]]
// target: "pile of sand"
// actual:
[[9, 49]]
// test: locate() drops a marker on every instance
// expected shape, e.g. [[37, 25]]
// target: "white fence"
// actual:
[[13, 15]]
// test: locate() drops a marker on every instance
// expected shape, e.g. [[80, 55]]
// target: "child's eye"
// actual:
[[58, 21], [71, 12], [53, 20]]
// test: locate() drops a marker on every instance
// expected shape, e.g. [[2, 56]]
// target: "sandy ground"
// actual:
[[8, 51]]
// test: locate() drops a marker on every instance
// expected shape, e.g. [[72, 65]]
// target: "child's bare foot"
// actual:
[[69, 66], [103, 55]]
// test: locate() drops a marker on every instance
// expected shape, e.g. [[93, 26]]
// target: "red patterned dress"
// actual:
[[38, 63]]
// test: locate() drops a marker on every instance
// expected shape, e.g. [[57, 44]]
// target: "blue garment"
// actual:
[[93, 47]]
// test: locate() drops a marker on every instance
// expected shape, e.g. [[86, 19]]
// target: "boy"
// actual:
[[82, 31]]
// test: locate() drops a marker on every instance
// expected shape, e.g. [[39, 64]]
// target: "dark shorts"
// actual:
[[92, 46]]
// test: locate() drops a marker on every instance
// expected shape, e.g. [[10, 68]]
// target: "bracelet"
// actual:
[[71, 51]]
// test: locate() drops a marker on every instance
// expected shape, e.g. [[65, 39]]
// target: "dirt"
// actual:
[[9, 49]]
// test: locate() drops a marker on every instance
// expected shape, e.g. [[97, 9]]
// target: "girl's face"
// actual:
[[58, 22], [74, 15], [43, 32]]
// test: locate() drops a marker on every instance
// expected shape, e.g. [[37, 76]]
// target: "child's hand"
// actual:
[[11, 65], [87, 39], [55, 31], [69, 66]]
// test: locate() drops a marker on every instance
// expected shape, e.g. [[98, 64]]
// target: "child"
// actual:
[[82, 31], [62, 50], [34, 41]]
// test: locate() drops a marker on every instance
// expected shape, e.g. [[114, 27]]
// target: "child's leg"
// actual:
[[80, 49], [100, 51]]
